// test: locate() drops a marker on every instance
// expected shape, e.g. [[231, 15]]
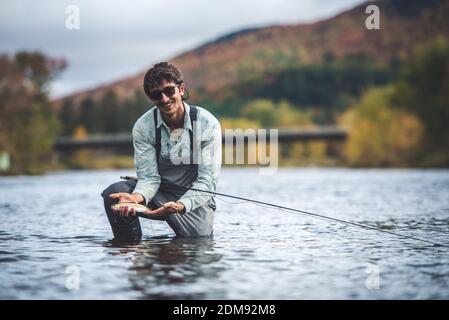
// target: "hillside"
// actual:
[[246, 54]]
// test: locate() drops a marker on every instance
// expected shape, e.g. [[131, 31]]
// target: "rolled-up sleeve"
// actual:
[[208, 168], [145, 163]]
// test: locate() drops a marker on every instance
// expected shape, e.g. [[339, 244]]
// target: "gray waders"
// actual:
[[196, 223]]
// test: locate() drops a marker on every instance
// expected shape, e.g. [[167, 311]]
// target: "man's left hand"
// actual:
[[167, 208]]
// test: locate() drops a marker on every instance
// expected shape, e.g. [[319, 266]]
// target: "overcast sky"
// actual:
[[121, 38]]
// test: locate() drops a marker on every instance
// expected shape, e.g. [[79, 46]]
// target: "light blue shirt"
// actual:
[[176, 146]]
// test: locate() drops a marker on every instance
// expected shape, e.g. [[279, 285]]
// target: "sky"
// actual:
[[119, 38]]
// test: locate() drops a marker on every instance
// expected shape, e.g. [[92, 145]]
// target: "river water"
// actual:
[[55, 239]]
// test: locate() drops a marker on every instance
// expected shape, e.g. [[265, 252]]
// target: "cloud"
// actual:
[[119, 38]]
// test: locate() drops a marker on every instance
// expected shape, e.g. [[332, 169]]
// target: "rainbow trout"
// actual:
[[138, 207]]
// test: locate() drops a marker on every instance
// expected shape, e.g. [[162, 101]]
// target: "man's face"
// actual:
[[168, 104]]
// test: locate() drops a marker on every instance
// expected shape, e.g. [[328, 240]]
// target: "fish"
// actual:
[[138, 207]]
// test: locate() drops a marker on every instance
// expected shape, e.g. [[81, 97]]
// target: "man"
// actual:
[[176, 147]]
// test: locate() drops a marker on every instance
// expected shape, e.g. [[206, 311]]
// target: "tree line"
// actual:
[[396, 114]]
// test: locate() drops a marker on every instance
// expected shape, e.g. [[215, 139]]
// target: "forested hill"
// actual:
[[246, 54]]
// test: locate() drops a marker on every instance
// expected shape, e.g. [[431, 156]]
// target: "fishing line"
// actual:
[[229, 202], [317, 216], [269, 207]]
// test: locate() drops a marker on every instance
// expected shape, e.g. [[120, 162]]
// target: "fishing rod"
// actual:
[[166, 186], [319, 216]]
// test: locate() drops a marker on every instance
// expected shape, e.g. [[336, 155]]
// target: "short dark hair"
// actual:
[[159, 72]]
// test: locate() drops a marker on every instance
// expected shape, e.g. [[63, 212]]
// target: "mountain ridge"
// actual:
[[233, 57]]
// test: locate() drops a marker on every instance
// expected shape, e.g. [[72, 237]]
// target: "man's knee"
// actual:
[[120, 186]]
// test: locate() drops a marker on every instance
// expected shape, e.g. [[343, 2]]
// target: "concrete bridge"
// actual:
[[124, 140]]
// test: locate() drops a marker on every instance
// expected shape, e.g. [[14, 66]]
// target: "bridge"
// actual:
[[121, 140]]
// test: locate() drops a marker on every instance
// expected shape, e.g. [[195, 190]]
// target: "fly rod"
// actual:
[[302, 212], [319, 216]]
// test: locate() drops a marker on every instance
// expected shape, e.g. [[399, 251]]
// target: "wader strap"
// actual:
[[158, 136], [193, 117]]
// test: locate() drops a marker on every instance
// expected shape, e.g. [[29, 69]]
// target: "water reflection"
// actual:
[[169, 268]]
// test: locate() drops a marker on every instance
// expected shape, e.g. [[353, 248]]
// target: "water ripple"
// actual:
[[256, 252]]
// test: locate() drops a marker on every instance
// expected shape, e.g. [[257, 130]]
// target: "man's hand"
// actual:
[[127, 197], [174, 207], [166, 209]]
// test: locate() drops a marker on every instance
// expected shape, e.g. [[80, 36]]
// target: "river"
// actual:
[[55, 240]]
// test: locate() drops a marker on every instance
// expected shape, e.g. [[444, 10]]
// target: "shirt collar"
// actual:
[[187, 124]]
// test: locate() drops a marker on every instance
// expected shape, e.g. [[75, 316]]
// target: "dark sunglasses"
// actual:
[[168, 91]]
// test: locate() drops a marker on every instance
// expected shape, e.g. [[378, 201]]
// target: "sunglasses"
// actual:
[[168, 91]]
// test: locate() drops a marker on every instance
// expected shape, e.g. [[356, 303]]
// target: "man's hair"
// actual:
[[159, 72]]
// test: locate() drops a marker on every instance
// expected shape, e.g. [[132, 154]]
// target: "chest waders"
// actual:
[[198, 222]]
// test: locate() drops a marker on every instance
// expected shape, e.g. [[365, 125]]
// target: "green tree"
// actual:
[[108, 114], [423, 89], [28, 124], [276, 115], [87, 116], [262, 111], [328, 87], [379, 134], [133, 109], [67, 117]]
